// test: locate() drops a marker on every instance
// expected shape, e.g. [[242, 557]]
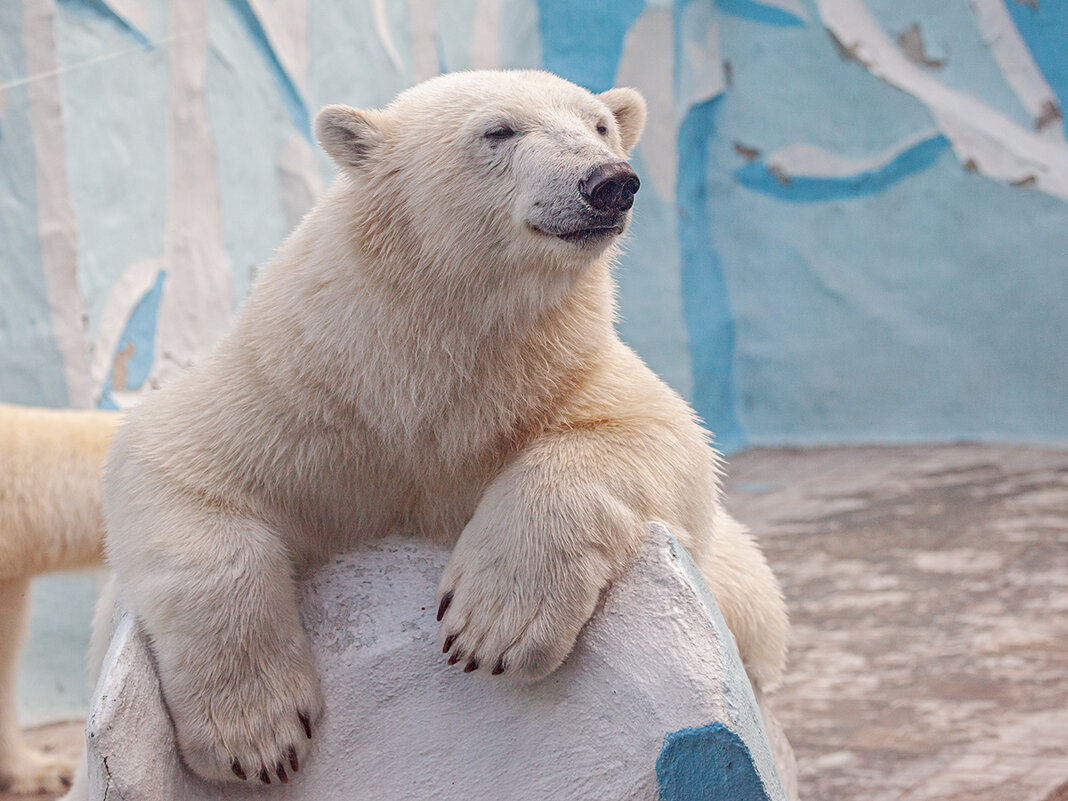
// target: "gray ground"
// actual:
[[928, 588]]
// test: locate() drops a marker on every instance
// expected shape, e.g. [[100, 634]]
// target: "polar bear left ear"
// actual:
[[628, 107], [349, 135]]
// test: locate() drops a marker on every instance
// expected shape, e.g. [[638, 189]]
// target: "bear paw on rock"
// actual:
[[253, 724]]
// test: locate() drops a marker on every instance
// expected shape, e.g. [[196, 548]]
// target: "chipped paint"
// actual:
[[912, 45], [998, 146], [1018, 65], [135, 351]]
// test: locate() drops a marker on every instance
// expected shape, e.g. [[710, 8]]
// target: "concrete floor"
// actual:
[[928, 587]]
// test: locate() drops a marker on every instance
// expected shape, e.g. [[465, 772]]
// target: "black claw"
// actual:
[[305, 723], [280, 772], [264, 776], [471, 666], [235, 766], [498, 669], [293, 763], [448, 643], [446, 599], [65, 781], [456, 656]]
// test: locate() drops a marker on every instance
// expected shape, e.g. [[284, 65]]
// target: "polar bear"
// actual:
[[51, 464], [431, 351]]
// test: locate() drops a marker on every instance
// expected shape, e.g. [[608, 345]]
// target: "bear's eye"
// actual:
[[602, 129], [499, 134]]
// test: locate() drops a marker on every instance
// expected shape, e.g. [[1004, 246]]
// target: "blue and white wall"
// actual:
[[853, 224]]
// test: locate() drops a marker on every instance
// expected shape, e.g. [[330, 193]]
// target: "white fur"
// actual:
[[50, 519], [425, 355]]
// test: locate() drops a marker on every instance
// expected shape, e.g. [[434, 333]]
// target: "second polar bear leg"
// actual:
[[216, 594], [23, 770]]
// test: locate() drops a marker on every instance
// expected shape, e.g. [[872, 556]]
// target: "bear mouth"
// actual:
[[584, 234]]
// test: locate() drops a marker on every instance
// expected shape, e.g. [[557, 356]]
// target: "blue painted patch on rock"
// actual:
[[710, 763]]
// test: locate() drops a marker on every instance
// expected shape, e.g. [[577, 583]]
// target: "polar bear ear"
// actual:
[[628, 107], [349, 135]]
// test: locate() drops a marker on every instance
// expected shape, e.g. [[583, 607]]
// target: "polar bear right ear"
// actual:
[[349, 135], [628, 107]]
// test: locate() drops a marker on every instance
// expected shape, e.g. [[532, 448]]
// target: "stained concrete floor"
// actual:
[[928, 588]]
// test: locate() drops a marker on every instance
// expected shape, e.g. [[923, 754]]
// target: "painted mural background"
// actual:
[[853, 223]]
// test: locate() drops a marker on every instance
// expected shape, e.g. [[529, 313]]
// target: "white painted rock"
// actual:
[[652, 703]]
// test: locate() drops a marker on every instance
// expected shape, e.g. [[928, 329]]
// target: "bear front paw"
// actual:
[[255, 724], [511, 621]]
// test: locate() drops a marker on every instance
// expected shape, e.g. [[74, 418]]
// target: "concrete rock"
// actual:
[[652, 703]]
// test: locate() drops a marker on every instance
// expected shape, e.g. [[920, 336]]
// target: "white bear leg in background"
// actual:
[[23, 770], [234, 662]]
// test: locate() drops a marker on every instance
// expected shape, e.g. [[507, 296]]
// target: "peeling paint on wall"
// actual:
[[993, 143]]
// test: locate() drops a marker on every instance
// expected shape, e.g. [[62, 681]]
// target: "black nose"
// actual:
[[610, 187]]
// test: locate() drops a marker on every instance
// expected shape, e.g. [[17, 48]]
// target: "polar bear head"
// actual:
[[496, 169]]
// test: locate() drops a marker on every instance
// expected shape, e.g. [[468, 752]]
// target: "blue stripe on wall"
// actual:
[[140, 336], [706, 306], [707, 763], [760, 12], [291, 97], [815, 188], [582, 42], [99, 10]]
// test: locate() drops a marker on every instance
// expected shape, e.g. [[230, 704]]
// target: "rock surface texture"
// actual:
[[652, 703]]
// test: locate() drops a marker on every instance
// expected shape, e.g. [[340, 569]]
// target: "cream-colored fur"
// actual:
[[427, 353], [50, 519]]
